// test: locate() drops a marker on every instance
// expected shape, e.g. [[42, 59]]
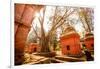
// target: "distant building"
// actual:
[[70, 43], [89, 41], [33, 47]]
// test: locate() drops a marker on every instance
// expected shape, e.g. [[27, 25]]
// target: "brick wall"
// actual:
[[73, 41], [24, 14]]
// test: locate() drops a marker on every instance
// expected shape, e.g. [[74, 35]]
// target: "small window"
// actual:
[[92, 45], [68, 47], [83, 45], [35, 49]]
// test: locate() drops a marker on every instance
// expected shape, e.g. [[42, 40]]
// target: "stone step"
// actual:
[[69, 59]]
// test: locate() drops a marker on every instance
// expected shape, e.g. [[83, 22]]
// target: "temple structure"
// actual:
[[33, 47], [89, 41], [70, 42]]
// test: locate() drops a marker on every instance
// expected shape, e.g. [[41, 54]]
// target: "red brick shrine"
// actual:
[[70, 43], [89, 41]]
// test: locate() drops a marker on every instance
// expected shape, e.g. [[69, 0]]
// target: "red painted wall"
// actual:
[[73, 40], [32, 47], [88, 42]]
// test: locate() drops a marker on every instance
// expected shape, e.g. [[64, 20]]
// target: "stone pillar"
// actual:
[[20, 40], [23, 20]]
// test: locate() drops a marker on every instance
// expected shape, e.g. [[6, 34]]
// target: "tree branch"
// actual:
[[35, 32], [61, 23], [57, 21]]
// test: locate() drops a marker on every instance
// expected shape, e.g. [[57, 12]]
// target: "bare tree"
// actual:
[[86, 17], [57, 21]]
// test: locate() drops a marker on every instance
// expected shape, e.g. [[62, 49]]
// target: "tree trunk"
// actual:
[[45, 45]]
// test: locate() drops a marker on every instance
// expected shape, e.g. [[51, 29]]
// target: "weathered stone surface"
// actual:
[[19, 9], [28, 15], [16, 27], [20, 40], [24, 14], [69, 59]]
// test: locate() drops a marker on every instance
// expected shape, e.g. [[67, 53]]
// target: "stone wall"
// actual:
[[24, 14]]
